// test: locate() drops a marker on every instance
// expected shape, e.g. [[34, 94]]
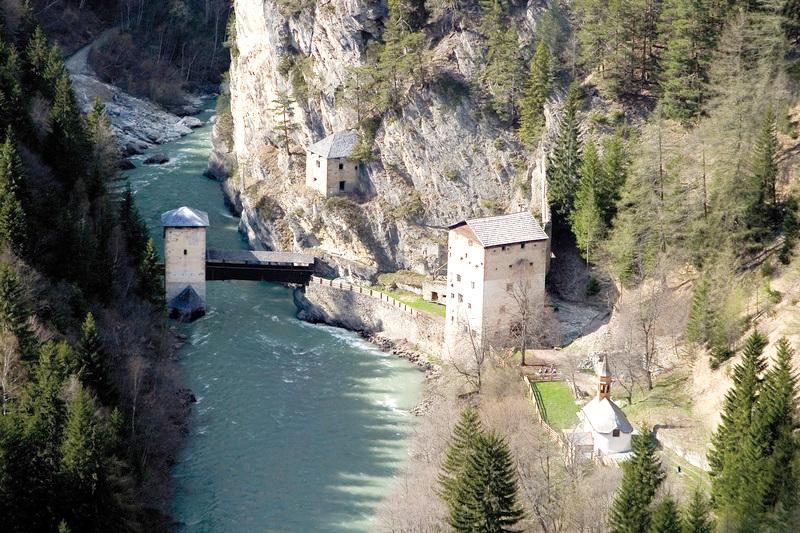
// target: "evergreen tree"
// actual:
[[81, 462], [615, 175], [15, 312], [503, 74], [641, 476], [134, 226], [665, 517], [763, 216], [485, 498], [685, 60], [283, 110], [540, 79], [106, 158], [151, 286], [462, 445], [563, 171], [66, 144], [586, 218], [92, 364], [701, 316], [13, 223], [726, 455], [37, 55], [696, 518]]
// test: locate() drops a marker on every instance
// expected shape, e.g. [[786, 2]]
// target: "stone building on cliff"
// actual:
[[328, 167], [491, 263]]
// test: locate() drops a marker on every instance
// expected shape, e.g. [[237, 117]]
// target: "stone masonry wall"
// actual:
[[358, 311]]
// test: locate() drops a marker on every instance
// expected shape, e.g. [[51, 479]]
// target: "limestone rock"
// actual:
[[156, 159]]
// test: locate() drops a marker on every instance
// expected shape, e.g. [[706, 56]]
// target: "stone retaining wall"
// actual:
[[340, 306]]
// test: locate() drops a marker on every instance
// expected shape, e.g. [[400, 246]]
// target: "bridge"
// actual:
[[278, 267], [188, 264]]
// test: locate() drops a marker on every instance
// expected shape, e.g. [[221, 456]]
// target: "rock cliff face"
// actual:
[[439, 159]]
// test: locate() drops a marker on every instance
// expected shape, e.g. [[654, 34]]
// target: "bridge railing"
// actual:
[[385, 298]]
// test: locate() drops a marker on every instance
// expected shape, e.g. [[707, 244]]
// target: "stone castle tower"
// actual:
[[185, 262]]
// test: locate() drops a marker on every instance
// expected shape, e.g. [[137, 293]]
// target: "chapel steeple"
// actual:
[[604, 381]]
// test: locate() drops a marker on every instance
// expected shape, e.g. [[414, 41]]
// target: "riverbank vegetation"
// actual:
[[90, 416], [161, 49]]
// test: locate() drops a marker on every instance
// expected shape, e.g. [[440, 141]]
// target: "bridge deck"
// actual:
[[281, 267]]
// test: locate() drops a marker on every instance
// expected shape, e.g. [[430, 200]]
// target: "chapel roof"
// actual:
[[604, 371], [184, 217], [505, 229], [339, 144], [605, 416]]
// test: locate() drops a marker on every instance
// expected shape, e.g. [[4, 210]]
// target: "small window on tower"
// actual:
[[317, 163], [458, 277], [460, 298], [341, 185], [473, 284], [184, 252], [522, 246], [341, 166], [615, 433]]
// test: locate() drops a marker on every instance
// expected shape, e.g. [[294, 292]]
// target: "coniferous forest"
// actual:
[[89, 413]]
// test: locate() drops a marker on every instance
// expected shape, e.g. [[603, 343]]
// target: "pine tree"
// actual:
[[151, 286], [763, 216], [586, 218], [465, 433], [486, 494], [540, 79], [696, 518], [67, 144], [641, 476], [92, 364], [133, 225], [665, 517], [563, 171], [729, 440], [283, 110], [701, 316], [105, 161], [685, 60], [15, 312], [503, 74], [615, 174]]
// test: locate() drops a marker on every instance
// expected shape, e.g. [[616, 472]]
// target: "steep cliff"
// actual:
[[439, 157]]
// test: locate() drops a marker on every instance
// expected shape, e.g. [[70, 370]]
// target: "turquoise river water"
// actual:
[[297, 427]]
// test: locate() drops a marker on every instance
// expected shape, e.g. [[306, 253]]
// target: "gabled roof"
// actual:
[[340, 144], [605, 416], [604, 372], [184, 217], [505, 229]]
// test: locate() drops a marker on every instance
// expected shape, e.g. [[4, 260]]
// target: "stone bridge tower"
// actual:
[[185, 262]]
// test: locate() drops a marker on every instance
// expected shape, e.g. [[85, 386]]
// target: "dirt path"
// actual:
[[78, 63]]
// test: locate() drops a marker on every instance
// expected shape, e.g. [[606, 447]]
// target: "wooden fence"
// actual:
[[541, 414], [385, 298]]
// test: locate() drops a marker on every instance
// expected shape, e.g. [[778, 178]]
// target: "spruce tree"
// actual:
[[283, 109], [762, 215], [615, 174], [15, 312], [133, 225], [586, 218], [563, 171], [641, 476], [105, 160], [150, 286], [486, 494], [726, 455], [701, 316], [92, 363], [666, 518], [66, 144], [503, 74], [540, 79], [696, 518], [462, 445]]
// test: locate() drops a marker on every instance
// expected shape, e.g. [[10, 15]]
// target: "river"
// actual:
[[297, 427]]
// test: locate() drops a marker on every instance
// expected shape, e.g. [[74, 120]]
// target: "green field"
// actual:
[[413, 300], [559, 403]]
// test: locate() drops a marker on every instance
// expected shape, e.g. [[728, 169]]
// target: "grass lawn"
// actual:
[[559, 403], [669, 396], [413, 300]]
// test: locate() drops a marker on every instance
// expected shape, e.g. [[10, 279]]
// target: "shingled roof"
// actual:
[[505, 229], [340, 144], [184, 217], [605, 416]]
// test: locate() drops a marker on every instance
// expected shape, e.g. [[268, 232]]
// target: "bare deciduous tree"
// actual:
[[12, 372]]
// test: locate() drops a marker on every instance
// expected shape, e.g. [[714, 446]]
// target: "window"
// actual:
[[460, 298], [341, 166], [522, 246], [317, 163], [504, 248], [473, 284], [615, 433], [184, 252], [341, 185], [452, 295], [355, 167], [458, 277], [469, 306]]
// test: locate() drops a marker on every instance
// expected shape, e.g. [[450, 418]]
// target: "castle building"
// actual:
[[489, 262], [328, 167], [185, 261], [604, 421]]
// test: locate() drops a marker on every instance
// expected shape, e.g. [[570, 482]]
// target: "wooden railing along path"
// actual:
[[385, 298], [541, 414]]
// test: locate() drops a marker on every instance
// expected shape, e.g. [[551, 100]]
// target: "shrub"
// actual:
[[592, 287]]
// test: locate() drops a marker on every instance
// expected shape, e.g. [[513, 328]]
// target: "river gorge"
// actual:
[[297, 427]]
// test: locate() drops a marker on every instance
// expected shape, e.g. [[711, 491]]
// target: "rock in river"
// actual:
[[156, 159]]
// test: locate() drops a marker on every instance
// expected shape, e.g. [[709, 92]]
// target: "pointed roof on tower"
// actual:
[[184, 217], [604, 372]]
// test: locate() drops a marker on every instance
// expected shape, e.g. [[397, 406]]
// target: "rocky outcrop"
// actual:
[[439, 159], [156, 159], [137, 124]]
